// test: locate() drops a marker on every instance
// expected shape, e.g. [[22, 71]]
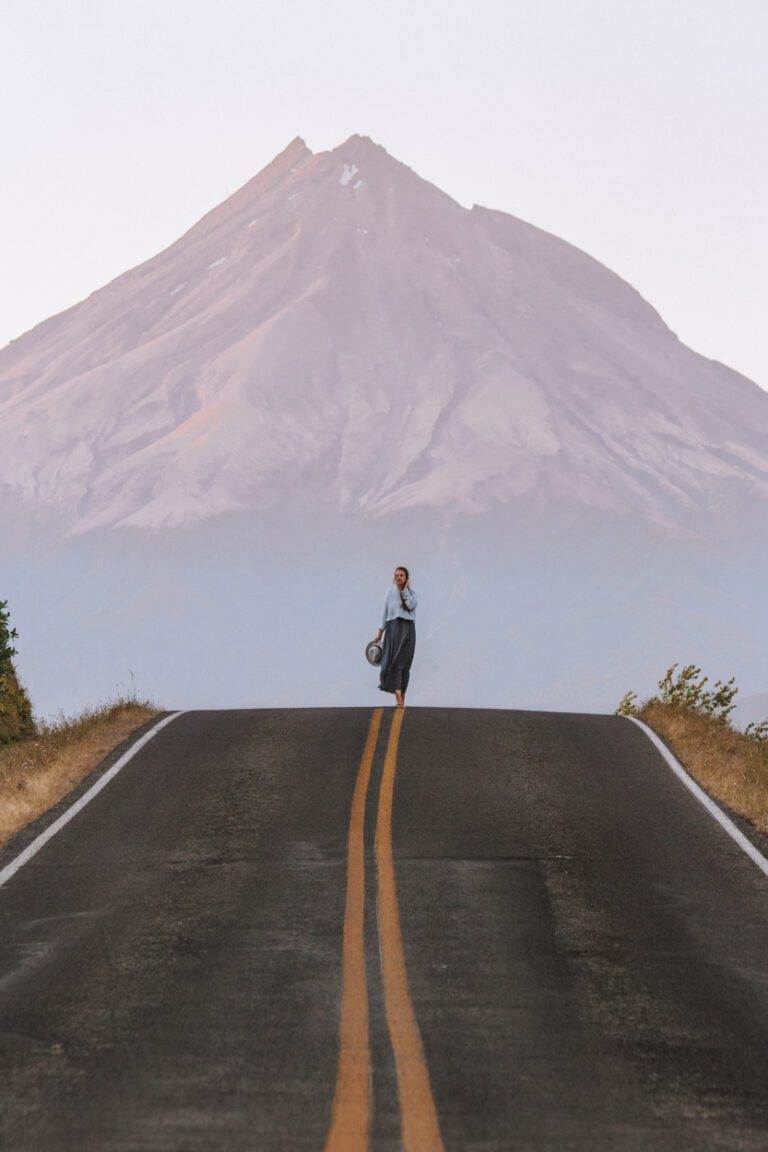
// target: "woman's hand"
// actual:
[[379, 633]]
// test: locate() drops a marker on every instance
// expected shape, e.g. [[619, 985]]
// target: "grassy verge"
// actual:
[[37, 772], [730, 765]]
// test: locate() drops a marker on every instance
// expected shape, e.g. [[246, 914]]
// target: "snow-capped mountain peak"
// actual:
[[341, 333]]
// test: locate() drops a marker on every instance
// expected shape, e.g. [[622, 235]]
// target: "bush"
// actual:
[[757, 732], [7, 634], [687, 691], [627, 706], [16, 720]]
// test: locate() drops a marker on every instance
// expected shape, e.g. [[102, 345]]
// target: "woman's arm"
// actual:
[[410, 597]]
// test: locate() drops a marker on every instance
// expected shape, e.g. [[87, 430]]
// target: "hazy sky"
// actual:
[[635, 129]]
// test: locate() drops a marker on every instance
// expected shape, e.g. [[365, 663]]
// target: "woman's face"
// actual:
[[400, 577]]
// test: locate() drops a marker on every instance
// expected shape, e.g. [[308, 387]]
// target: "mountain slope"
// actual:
[[340, 334]]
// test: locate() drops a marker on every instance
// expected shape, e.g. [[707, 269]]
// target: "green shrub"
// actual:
[[16, 720], [627, 706], [687, 691], [757, 732]]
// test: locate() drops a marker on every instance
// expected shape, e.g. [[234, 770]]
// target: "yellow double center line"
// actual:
[[351, 1113]]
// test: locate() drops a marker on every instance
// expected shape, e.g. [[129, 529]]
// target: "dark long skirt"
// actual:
[[397, 654]]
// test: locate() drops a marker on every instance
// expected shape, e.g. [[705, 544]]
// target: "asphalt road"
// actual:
[[449, 929]]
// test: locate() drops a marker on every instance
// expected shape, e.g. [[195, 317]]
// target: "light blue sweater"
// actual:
[[393, 606]]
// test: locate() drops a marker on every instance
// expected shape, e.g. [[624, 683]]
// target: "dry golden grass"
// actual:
[[36, 773], [723, 760]]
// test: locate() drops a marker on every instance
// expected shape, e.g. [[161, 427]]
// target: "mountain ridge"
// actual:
[[340, 332]]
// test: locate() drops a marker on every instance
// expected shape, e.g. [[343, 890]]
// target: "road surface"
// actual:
[[338, 929]]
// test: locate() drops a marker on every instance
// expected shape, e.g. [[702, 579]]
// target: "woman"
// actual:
[[398, 627]]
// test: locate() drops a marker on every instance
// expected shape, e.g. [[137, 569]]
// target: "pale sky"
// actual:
[[635, 129]]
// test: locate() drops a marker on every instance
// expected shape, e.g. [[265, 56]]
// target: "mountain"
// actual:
[[339, 334], [210, 466]]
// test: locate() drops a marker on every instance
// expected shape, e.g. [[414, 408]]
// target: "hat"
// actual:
[[373, 652]]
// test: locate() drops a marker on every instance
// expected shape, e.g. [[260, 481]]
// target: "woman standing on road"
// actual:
[[398, 627]]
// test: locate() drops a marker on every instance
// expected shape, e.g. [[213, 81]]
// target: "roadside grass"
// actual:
[[723, 760], [36, 772], [693, 722]]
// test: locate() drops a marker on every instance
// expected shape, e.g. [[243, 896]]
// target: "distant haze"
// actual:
[[635, 131]]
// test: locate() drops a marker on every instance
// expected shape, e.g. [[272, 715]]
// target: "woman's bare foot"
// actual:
[[399, 698]]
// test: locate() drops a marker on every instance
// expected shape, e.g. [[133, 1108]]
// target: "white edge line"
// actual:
[[735, 833], [33, 848]]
